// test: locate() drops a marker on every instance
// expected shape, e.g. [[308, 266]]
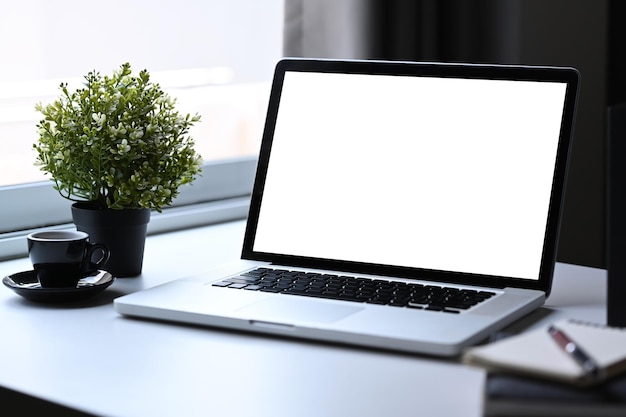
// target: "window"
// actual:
[[215, 57]]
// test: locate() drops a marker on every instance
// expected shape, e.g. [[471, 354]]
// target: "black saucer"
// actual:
[[26, 284]]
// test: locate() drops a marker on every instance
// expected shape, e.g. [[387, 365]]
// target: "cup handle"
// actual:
[[91, 250]]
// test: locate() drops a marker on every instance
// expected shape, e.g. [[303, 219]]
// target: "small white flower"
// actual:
[[99, 118], [123, 147], [136, 134]]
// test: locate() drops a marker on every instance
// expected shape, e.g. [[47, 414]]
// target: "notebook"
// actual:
[[376, 180], [537, 354]]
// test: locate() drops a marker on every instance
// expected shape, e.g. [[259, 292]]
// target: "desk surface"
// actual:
[[88, 357]]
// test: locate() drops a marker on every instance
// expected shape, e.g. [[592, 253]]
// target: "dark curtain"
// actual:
[[479, 31]]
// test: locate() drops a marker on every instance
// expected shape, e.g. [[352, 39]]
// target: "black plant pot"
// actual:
[[122, 231]]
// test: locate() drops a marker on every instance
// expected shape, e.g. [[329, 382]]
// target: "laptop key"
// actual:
[[271, 289], [252, 287], [318, 295], [241, 280], [376, 301]]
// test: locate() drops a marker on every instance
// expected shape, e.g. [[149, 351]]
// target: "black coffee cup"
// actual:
[[62, 257]]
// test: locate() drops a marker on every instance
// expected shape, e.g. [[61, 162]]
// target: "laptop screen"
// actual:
[[418, 172]]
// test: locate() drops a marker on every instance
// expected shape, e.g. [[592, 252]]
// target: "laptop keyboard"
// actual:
[[361, 290]]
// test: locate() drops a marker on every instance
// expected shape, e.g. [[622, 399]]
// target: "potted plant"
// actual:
[[118, 148]]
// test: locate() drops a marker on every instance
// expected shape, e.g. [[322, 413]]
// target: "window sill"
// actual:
[[13, 245]]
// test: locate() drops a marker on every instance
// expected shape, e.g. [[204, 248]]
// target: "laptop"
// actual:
[[396, 205]]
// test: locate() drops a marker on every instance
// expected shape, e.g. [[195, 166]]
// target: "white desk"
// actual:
[[90, 358]]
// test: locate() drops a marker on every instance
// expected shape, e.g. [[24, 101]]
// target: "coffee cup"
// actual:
[[61, 258]]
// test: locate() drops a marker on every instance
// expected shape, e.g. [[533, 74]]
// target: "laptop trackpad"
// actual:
[[293, 311]]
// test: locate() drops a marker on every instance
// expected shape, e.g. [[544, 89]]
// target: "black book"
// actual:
[[520, 396]]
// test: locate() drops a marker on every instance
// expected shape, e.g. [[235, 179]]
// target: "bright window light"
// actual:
[[215, 57]]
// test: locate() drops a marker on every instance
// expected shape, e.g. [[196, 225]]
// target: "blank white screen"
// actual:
[[438, 173]]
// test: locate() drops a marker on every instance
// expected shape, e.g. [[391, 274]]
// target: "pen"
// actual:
[[570, 347]]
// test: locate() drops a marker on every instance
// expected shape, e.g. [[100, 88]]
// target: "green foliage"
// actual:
[[118, 142]]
